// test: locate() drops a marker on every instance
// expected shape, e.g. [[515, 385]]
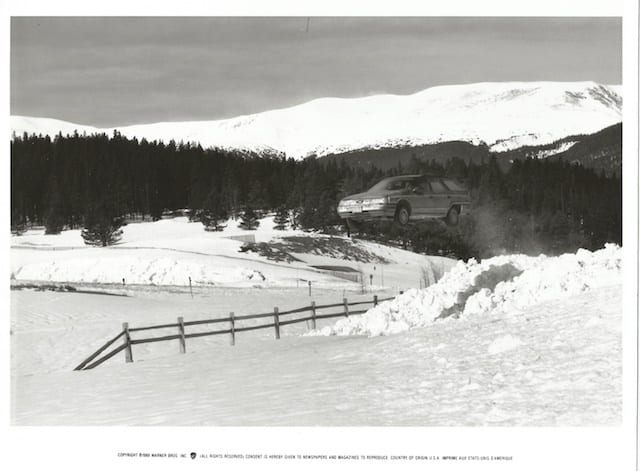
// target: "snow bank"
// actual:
[[501, 284], [170, 251], [139, 270]]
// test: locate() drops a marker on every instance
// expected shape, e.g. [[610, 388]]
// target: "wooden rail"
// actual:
[[232, 321]]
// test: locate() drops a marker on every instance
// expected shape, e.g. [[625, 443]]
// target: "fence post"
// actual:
[[128, 354], [346, 307], [375, 300], [183, 343], [232, 319], [277, 322], [313, 314]]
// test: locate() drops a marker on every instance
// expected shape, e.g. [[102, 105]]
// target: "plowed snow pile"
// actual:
[[504, 284]]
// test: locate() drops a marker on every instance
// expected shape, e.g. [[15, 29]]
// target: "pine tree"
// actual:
[[213, 213], [281, 219], [54, 223], [101, 227], [101, 230], [18, 224], [249, 220]]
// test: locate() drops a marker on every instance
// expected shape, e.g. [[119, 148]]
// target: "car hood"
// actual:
[[367, 195]]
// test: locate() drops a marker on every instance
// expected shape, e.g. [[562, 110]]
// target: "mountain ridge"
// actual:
[[502, 115]]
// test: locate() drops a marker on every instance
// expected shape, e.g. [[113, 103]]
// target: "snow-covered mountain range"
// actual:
[[504, 115]]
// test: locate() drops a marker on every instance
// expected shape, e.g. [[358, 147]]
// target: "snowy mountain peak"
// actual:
[[504, 115]]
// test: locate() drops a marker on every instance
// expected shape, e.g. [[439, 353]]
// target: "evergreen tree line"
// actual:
[[97, 182], [534, 206]]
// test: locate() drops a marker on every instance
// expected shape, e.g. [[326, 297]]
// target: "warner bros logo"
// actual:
[[193, 455]]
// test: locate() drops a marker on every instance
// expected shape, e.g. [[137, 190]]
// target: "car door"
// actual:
[[440, 198], [407, 192], [421, 199]]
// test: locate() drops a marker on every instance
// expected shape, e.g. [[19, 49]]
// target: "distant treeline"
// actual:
[[533, 206]]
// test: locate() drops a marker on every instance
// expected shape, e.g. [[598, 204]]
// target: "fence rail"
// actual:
[[277, 323]]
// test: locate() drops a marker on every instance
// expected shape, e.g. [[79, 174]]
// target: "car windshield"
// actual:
[[391, 184]]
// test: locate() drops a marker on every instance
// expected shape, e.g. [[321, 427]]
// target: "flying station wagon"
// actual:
[[408, 198]]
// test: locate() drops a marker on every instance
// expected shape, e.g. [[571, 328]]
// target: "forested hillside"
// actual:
[[534, 206], [600, 151], [404, 156]]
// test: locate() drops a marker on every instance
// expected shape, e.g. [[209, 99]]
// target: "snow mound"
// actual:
[[138, 270], [504, 284]]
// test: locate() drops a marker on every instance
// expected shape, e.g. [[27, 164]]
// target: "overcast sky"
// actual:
[[119, 71]]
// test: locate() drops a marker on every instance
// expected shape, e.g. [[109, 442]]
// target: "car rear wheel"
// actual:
[[453, 217], [402, 215]]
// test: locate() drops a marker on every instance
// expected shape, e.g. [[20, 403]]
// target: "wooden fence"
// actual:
[[101, 355]]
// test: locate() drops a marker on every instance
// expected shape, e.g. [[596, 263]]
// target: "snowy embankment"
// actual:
[[505, 284], [176, 252]]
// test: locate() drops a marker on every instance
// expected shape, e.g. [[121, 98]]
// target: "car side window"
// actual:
[[438, 187], [423, 188], [408, 186], [397, 185], [452, 185]]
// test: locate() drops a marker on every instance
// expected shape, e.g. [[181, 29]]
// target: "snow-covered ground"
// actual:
[[512, 340], [156, 261], [557, 364], [172, 251]]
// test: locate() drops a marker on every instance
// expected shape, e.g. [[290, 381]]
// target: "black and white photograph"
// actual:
[[319, 222]]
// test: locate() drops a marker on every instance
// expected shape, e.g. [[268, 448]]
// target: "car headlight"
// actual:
[[374, 202]]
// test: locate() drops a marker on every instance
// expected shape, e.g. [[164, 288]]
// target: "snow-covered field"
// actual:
[[170, 251], [557, 363], [512, 340]]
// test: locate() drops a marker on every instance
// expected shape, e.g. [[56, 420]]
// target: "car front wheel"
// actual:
[[402, 215]]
